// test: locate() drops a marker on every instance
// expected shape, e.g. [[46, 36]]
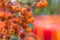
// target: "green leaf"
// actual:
[[54, 6], [37, 11]]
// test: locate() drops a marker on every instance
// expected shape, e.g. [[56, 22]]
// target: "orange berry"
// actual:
[[30, 20], [20, 21], [19, 28], [33, 19], [11, 31], [21, 16], [4, 39], [4, 1], [25, 25], [38, 5], [43, 3], [28, 30], [0, 29], [7, 15], [18, 8], [13, 8], [23, 10], [4, 32], [29, 13], [7, 24], [14, 26], [1, 4], [2, 24], [1, 14], [15, 20]]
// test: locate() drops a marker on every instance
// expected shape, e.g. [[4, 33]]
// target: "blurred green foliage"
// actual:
[[51, 9]]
